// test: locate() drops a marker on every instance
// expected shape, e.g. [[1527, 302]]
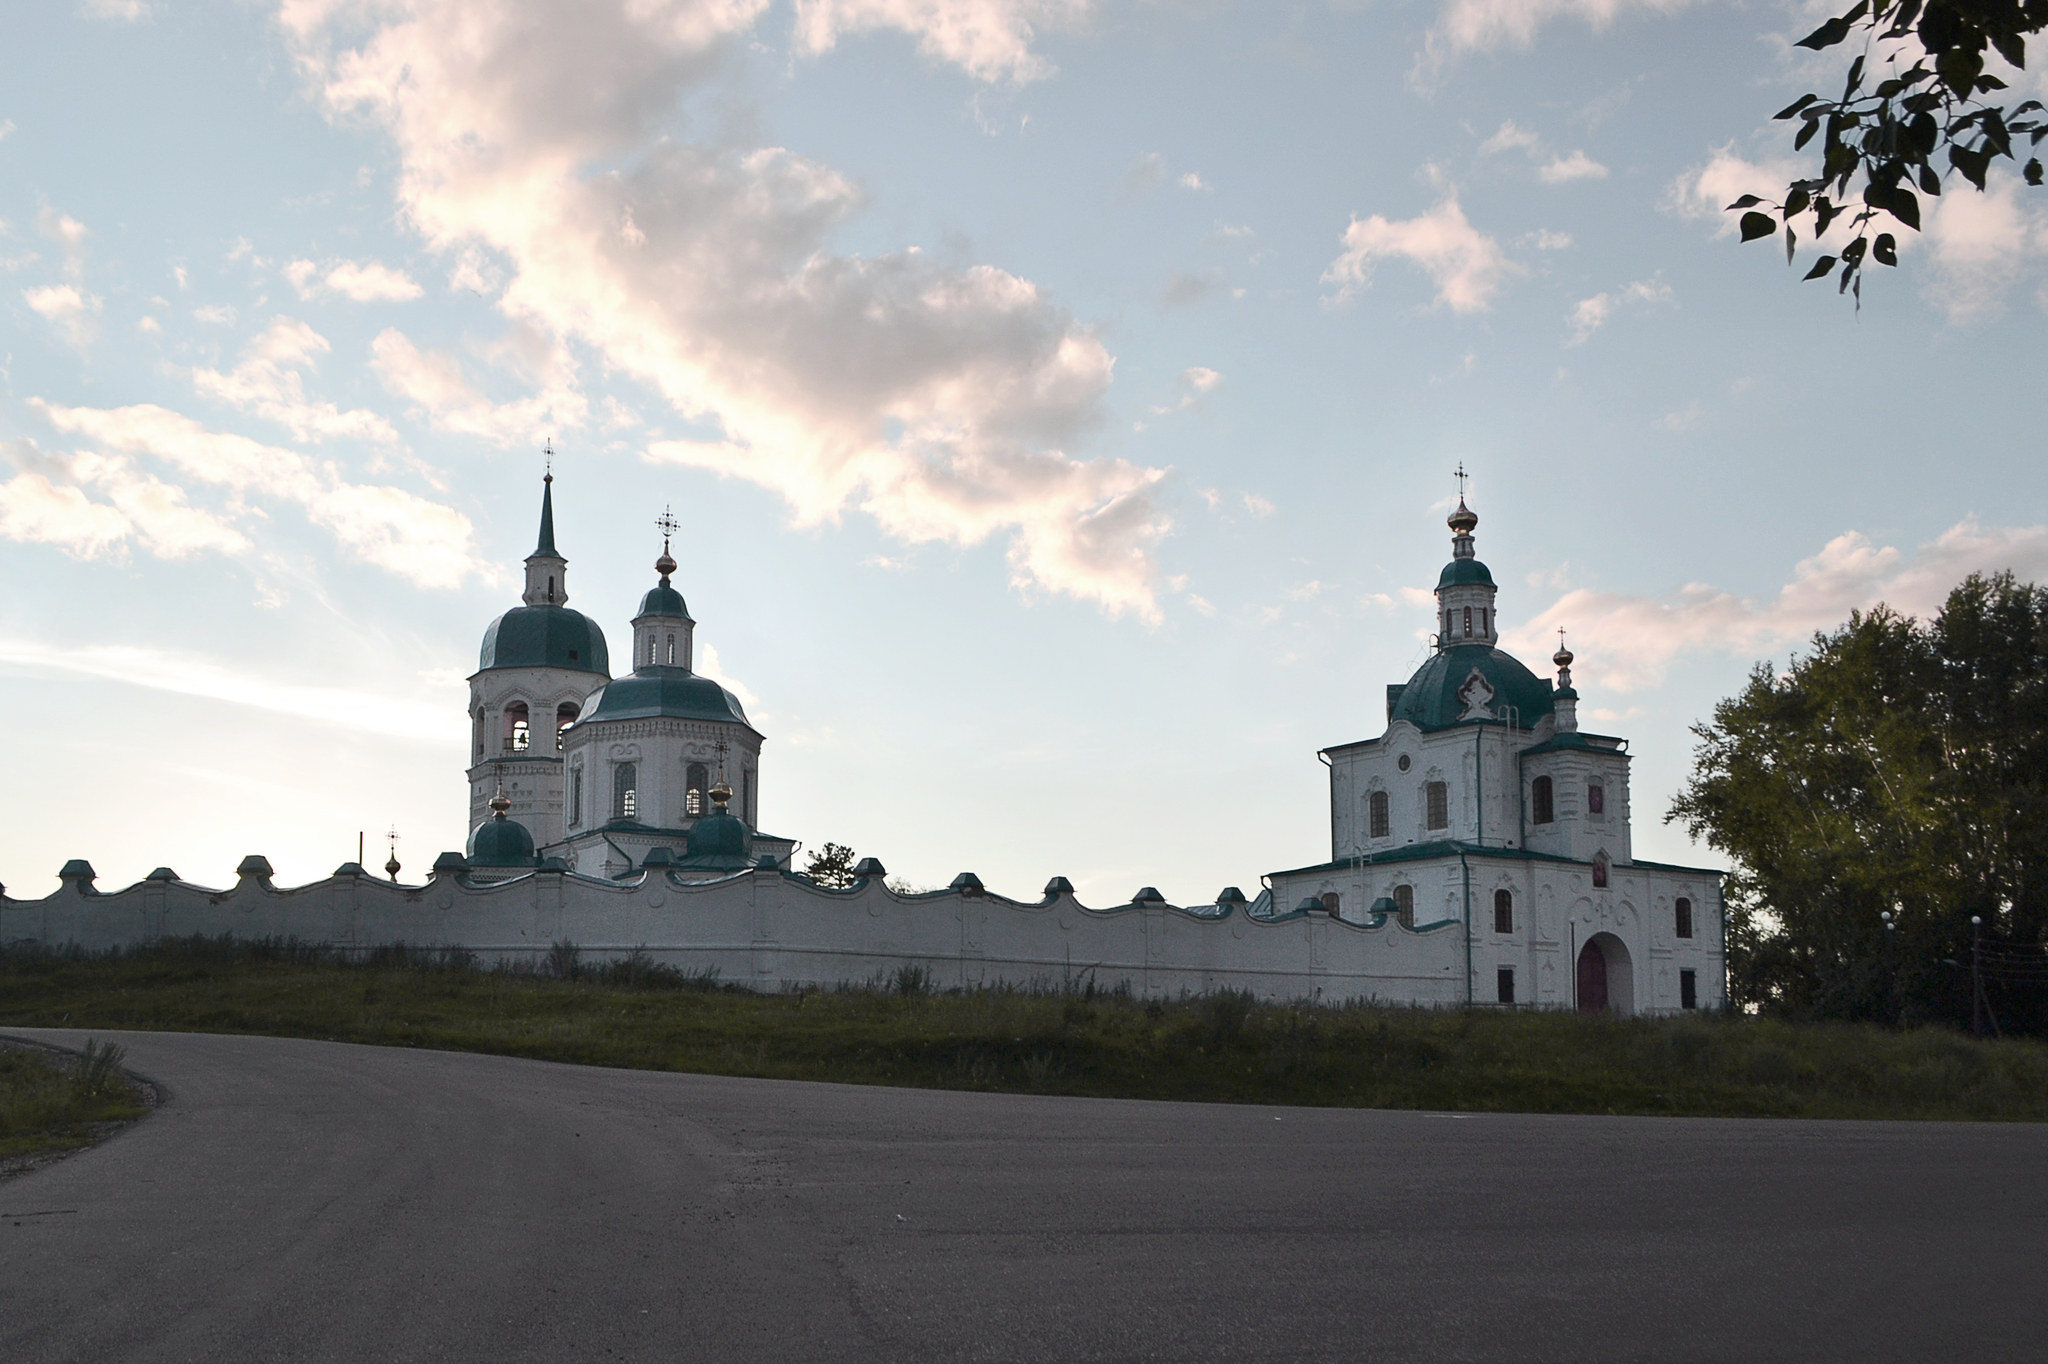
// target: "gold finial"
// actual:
[[665, 523], [1563, 657], [721, 793], [500, 803], [391, 867], [1463, 520]]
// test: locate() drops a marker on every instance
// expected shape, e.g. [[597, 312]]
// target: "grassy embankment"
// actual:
[[53, 1102], [1221, 1048]]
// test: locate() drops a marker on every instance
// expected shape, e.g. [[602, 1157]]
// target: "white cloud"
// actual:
[[1195, 383], [1183, 289], [396, 530], [193, 675], [1706, 191], [1626, 643], [362, 281], [37, 508], [1592, 313], [6, 129], [1195, 182], [1305, 591], [1983, 246], [267, 382], [943, 401], [1201, 604], [1261, 507], [1510, 137], [437, 383], [1466, 265], [216, 314], [119, 11], [67, 308], [1147, 171], [1564, 169], [989, 39], [708, 665], [1477, 25], [68, 233]]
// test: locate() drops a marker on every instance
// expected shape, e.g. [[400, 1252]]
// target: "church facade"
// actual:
[[1484, 816], [1480, 850]]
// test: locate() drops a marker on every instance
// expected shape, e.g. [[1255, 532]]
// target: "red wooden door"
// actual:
[[1592, 979]]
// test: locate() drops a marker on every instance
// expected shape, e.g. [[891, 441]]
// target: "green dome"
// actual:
[[545, 637], [501, 842], [1430, 699], [662, 601], [719, 842], [662, 691], [1459, 572]]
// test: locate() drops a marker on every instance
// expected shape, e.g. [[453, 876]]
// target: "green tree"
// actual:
[[1897, 768], [831, 865], [1913, 112]]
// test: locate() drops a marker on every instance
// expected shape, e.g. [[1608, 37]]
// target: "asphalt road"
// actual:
[[312, 1201]]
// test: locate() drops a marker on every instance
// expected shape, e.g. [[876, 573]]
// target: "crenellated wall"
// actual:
[[772, 930]]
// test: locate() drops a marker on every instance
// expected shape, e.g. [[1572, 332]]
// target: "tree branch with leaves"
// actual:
[[1883, 141]]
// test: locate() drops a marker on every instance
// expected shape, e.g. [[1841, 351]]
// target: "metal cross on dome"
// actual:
[[547, 448], [1461, 477], [667, 524]]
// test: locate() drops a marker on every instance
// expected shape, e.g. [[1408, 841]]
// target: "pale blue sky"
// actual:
[[1061, 396]]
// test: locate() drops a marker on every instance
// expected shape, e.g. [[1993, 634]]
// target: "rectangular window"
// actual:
[[1542, 808], [1596, 798], [1682, 912], [1505, 984], [1503, 911], [1404, 905], [1382, 822], [1439, 805], [1688, 989], [576, 796]]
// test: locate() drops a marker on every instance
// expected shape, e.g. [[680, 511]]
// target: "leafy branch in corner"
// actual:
[[1885, 140]]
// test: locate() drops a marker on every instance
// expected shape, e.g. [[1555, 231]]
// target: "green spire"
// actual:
[[546, 547]]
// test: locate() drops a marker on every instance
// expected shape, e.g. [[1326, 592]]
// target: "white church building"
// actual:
[[1484, 816], [1479, 848]]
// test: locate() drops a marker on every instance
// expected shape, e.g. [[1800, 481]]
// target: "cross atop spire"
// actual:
[[667, 524], [1461, 476]]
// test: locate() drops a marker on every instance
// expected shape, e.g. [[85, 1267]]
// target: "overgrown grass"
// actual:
[[1053, 1040], [51, 1102]]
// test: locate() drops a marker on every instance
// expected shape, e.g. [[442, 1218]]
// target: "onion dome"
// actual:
[[545, 637], [1463, 521], [1470, 683], [719, 841], [501, 842], [661, 691]]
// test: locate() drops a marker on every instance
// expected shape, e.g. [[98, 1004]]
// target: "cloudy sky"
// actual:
[[1060, 396]]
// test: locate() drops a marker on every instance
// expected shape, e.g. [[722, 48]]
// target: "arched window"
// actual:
[[1681, 910], [1447, 624], [1596, 798], [625, 791], [551, 587], [565, 716], [697, 781], [517, 732], [1439, 798], [1482, 620], [1468, 622], [1542, 807], [1600, 871], [671, 651], [1503, 911], [1382, 821], [652, 645], [1404, 905], [575, 797], [1330, 903]]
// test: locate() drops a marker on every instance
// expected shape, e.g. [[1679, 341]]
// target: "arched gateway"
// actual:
[[1606, 976]]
